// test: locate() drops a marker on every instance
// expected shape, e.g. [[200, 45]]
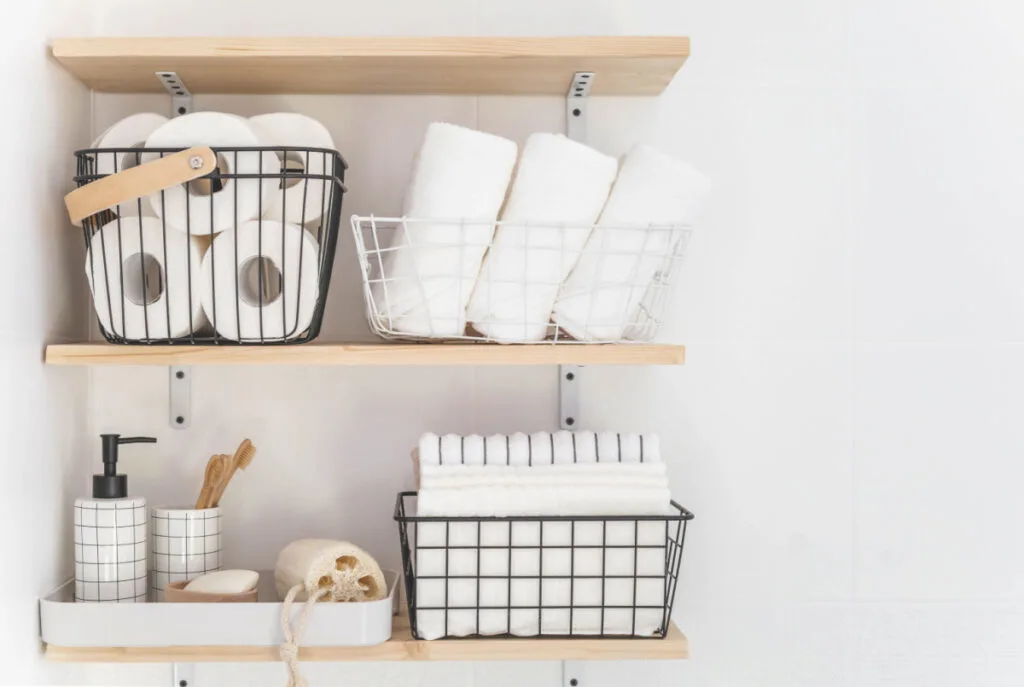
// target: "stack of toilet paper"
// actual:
[[232, 253]]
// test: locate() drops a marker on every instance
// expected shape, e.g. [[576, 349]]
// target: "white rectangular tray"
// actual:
[[66, 623]]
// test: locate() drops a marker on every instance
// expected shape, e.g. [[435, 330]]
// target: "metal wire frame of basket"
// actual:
[[674, 537], [266, 280], [419, 275]]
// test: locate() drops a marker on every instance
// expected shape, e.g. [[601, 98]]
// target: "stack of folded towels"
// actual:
[[550, 577]]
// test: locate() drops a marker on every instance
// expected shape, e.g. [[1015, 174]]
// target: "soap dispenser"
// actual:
[[110, 534]]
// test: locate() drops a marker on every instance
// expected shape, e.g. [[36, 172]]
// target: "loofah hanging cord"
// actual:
[[290, 648]]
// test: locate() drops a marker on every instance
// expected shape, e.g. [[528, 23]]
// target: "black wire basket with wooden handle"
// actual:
[[192, 246]]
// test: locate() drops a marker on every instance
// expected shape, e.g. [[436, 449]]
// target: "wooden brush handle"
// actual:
[[215, 469], [241, 459], [231, 467]]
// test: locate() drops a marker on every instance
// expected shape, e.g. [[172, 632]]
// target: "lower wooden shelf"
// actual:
[[368, 354], [401, 647]]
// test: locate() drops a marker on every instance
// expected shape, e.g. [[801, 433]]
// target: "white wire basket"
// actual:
[[500, 282]]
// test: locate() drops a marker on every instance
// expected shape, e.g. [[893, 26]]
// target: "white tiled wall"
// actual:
[[846, 427]]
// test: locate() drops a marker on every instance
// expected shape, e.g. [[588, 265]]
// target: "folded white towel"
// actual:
[[460, 179], [583, 475], [558, 192], [503, 501], [541, 448], [529, 578], [619, 267]]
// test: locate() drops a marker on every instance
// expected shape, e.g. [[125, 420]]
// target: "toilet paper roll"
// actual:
[[287, 257], [202, 206], [130, 132], [159, 274], [297, 201]]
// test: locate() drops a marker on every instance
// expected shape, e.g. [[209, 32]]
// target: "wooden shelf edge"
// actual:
[[445, 65], [400, 648], [625, 46], [367, 354]]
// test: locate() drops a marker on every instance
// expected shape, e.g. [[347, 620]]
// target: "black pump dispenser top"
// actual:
[[111, 485]]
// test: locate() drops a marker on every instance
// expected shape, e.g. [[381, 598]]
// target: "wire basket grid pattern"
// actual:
[[138, 280]]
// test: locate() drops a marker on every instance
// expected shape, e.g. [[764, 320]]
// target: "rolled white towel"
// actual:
[[518, 449], [558, 192], [429, 450], [657, 195], [473, 450], [496, 450], [458, 183]]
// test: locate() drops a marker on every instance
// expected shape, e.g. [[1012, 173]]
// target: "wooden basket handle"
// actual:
[[136, 182]]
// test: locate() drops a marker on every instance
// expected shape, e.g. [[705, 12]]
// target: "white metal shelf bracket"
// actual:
[[569, 396], [572, 674], [181, 97], [576, 106], [180, 401], [180, 384], [183, 675], [575, 129]]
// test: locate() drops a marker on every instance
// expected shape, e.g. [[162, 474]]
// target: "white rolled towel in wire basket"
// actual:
[[654, 199], [557, 195], [427, 271]]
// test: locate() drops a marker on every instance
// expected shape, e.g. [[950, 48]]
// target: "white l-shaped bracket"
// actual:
[[181, 97], [576, 106], [183, 674], [575, 129], [180, 384]]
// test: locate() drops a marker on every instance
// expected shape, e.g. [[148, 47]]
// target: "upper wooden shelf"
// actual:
[[401, 647], [367, 354], [624, 65]]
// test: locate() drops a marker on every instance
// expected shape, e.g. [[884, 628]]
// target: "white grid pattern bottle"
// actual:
[[111, 534]]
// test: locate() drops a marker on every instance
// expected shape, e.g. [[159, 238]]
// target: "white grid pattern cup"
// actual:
[[185, 544]]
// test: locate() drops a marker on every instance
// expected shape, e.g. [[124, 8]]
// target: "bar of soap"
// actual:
[[224, 582]]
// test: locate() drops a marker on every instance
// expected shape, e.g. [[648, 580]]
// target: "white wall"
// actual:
[[845, 427], [42, 416]]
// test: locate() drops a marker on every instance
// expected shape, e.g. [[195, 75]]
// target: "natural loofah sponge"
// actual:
[[344, 571]]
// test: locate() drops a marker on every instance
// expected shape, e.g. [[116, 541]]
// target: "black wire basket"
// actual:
[[209, 245], [579, 577]]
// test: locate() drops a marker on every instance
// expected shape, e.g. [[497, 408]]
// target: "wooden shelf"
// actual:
[[625, 65], [401, 647], [367, 354]]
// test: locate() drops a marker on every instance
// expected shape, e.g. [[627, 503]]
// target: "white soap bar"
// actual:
[[224, 582]]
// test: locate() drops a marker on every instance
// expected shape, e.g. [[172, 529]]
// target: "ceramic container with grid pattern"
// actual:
[[110, 550], [186, 544]]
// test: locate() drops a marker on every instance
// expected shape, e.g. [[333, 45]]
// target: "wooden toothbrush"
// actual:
[[216, 468], [240, 461]]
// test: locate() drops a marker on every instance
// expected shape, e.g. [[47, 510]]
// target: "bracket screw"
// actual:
[[573, 682], [180, 420], [179, 374], [182, 683], [577, 112]]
